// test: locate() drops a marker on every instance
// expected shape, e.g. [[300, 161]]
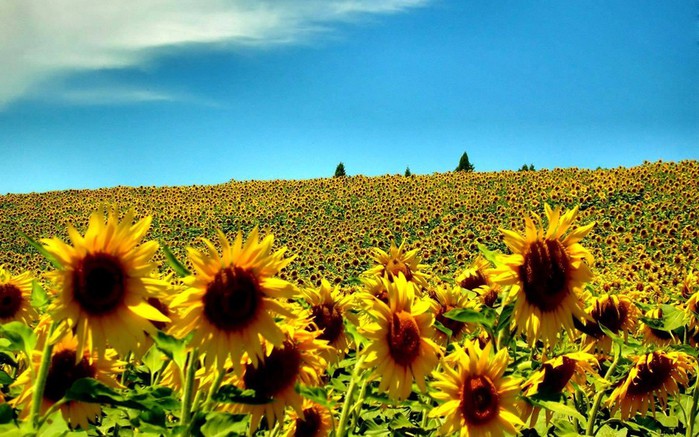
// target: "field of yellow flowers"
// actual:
[[556, 302]]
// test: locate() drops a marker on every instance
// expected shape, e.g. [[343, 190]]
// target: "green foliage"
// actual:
[[407, 173], [340, 170], [465, 164]]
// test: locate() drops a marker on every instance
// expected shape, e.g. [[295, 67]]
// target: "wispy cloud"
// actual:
[[42, 39]]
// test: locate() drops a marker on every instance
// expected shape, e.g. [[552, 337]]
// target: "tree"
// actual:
[[407, 172], [465, 164], [340, 170], [531, 167]]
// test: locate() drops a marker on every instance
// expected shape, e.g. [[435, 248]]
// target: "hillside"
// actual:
[[646, 236]]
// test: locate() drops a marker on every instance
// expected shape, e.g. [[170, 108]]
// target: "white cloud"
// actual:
[[41, 39]]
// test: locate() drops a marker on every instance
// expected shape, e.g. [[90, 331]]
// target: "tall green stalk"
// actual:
[[341, 427], [693, 409], [600, 394], [41, 377], [185, 413]]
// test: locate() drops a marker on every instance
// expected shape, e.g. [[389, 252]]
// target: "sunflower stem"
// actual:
[[214, 388], [600, 394], [41, 377], [341, 431], [51, 410], [693, 409], [357, 407], [189, 389]]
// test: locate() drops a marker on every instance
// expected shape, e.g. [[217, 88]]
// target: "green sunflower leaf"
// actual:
[[225, 424], [559, 407], [485, 317], [443, 328], [317, 394], [42, 250], [235, 395], [20, 336], [39, 298], [176, 265]]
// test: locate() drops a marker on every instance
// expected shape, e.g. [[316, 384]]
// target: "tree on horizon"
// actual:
[[465, 164], [340, 170]]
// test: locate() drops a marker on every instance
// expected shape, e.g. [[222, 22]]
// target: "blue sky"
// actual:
[[182, 92]]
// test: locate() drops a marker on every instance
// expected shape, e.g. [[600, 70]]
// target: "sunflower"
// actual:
[[654, 376], [105, 281], [475, 276], [297, 360], [328, 311], [398, 261], [316, 421], [690, 285], [477, 399], [692, 312], [616, 313], [656, 336], [546, 272], [447, 298], [15, 298], [230, 300], [555, 376], [401, 348], [67, 366]]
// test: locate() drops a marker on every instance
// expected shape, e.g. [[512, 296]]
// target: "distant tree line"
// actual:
[[464, 165]]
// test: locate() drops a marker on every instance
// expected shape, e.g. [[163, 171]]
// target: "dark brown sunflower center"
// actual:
[[480, 402], [652, 375], [232, 299], [63, 372], [556, 378], [328, 318], [610, 315], [310, 424], [489, 297], [544, 274], [99, 283], [276, 373], [396, 266], [160, 306], [403, 338], [454, 325], [10, 300], [473, 281]]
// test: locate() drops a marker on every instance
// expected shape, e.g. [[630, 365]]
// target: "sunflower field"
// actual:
[[554, 302]]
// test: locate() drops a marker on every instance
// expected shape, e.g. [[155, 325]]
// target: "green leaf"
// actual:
[[489, 254], [42, 250], [232, 394], [559, 407], [5, 379], [176, 265], [608, 431], [7, 413], [673, 318], [175, 349], [505, 317], [443, 328], [20, 336], [316, 394], [92, 391], [225, 424], [39, 298], [484, 317], [150, 402], [155, 360]]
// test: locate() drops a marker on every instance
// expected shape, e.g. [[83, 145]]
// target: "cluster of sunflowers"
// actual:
[[480, 339], [117, 348]]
